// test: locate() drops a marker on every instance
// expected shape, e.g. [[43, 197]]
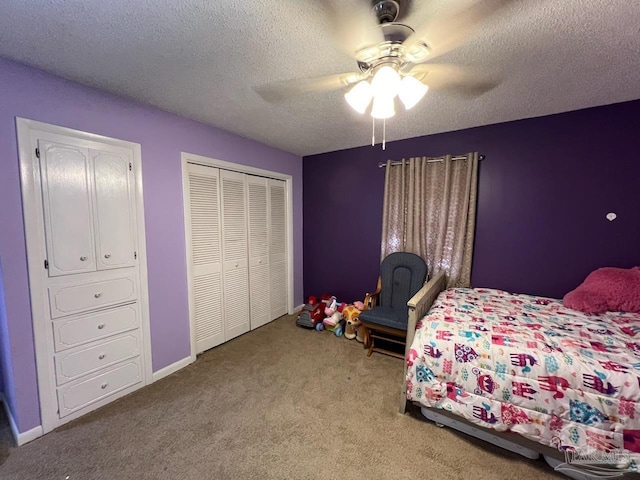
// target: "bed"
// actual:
[[526, 365]]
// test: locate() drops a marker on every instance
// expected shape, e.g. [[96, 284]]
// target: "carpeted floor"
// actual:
[[277, 403]]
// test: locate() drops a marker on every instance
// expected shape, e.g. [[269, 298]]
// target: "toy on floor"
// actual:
[[311, 313], [352, 318]]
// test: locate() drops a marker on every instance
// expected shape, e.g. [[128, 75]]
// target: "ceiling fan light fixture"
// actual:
[[359, 97], [383, 107], [386, 82], [411, 91]]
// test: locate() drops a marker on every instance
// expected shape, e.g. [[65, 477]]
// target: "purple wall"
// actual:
[[30, 93], [544, 190]]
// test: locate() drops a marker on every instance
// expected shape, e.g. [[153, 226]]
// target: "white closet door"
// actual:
[[66, 194], [257, 194], [114, 216], [206, 256], [278, 247], [235, 254]]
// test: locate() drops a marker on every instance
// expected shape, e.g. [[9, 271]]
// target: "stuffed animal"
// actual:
[[331, 322], [352, 317]]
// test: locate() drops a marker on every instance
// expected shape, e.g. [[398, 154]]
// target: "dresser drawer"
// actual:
[[95, 356], [71, 332], [77, 395], [69, 299]]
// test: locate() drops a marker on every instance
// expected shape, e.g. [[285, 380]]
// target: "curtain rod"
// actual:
[[432, 160]]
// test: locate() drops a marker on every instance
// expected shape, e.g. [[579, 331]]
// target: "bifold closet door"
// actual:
[[258, 207], [235, 253], [206, 255], [278, 247]]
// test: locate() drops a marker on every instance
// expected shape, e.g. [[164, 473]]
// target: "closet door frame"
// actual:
[[236, 167], [28, 133]]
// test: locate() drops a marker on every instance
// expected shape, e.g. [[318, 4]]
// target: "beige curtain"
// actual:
[[430, 210]]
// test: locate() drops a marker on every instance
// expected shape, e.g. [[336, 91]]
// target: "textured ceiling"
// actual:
[[201, 59]]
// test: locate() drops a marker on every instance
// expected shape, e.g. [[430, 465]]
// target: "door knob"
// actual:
[[107, 255], [104, 385], [101, 326], [83, 258], [237, 265], [101, 356], [98, 295]]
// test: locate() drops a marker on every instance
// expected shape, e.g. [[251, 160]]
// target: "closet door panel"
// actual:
[[114, 218], [66, 194], [206, 256], [235, 254], [278, 247], [258, 207]]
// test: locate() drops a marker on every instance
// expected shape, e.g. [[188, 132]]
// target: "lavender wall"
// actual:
[[26, 92], [544, 190]]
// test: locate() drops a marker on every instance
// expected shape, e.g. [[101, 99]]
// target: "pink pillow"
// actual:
[[607, 290]]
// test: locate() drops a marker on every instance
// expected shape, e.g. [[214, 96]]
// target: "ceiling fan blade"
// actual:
[[466, 82], [280, 91], [444, 34], [353, 23]]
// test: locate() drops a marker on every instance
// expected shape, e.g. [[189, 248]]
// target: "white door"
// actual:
[[278, 247], [66, 196], [258, 207], [114, 219], [203, 234], [235, 254]]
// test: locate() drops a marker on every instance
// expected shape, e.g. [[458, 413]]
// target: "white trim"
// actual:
[[298, 308], [173, 368], [236, 167], [35, 242], [20, 438]]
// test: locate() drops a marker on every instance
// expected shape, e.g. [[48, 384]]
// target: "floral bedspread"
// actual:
[[527, 364]]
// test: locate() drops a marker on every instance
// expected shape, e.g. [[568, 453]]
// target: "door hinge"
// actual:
[[135, 255], [129, 166], [37, 152], [46, 264]]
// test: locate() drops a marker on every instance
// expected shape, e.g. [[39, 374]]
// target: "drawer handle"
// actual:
[[83, 258], [104, 385], [101, 326], [101, 356], [98, 295], [107, 255]]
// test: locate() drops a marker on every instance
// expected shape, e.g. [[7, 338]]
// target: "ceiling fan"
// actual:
[[393, 58]]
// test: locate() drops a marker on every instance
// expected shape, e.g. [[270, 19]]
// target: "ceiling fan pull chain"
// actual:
[[384, 134], [373, 131]]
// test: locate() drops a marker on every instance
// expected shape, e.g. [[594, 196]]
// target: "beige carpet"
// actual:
[[277, 403]]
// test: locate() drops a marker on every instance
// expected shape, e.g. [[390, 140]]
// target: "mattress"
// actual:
[[528, 365]]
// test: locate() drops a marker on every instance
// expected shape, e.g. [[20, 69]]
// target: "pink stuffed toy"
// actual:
[[607, 290]]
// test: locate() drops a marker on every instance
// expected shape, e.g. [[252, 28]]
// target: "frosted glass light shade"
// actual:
[[411, 91], [383, 107], [386, 82], [359, 97]]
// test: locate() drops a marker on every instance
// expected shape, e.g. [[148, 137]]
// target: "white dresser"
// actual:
[[82, 220]]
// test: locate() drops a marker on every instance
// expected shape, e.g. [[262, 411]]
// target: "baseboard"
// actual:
[[174, 367], [18, 437], [298, 308]]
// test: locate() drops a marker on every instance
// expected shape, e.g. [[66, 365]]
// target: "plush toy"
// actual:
[[352, 317], [331, 322], [359, 305]]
